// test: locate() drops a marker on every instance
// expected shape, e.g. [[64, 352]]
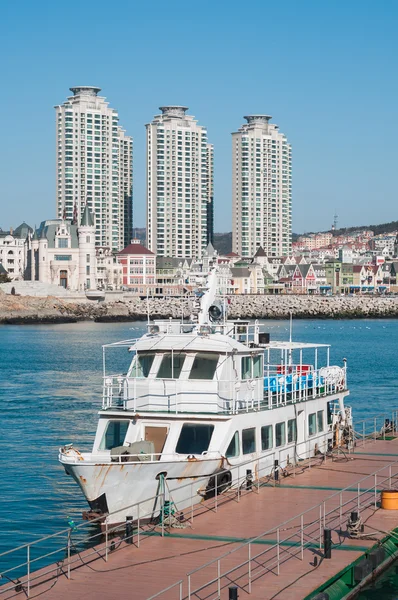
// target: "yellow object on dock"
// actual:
[[389, 499]]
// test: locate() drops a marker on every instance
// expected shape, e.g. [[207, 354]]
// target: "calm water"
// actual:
[[50, 378]]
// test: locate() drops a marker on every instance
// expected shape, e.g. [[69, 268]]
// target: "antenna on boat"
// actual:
[[290, 338], [147, 307]]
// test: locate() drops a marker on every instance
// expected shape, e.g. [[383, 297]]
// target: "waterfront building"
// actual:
[[138, 268], [261, 189], [94, 166], [12, 251], [179, 185], [62, 253], [109, 271]]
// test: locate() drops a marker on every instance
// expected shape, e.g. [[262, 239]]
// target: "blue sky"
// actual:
[[325, 70]]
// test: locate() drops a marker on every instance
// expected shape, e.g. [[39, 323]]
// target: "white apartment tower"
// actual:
[[179, 176], [94, 166], [261, 189]]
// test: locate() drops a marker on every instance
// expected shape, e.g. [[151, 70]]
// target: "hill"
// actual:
[[377, 229]]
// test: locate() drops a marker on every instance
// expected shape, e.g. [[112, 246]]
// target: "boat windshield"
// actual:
[[142, 364], [114, 434], [204, 366]]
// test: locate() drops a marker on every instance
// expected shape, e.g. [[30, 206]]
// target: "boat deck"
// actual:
[[159, 562]]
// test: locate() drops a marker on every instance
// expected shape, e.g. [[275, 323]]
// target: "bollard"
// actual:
[[249, 479], [276, 470], [129, 530], [327, 543], [233, 592]]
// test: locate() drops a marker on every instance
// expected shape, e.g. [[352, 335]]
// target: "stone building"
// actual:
[[12, 251], [63, 253]]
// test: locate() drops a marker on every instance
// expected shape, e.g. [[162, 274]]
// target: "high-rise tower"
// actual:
[[261, 189], [179, 182], [94, 166]]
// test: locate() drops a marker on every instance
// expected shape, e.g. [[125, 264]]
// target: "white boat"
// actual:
[[206, 401]]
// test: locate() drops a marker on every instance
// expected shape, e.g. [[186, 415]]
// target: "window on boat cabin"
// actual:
[[252, 367], [142, 364], [204, 366], [266, 437], [291, 431], [312, 424], [248, 440], [233, 448], [114, 434], [194, 438], [330, 406], [280, 434], [246, 367], [319, 416], [258, 369], [171, 365]]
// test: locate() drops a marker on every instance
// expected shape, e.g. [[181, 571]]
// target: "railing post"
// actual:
[[358, 499], [238, 483], [69, 554], [180, 586], [191, 503], [375, 490], [277, 548], [138, 526], [324, 515], [189, 587], [219, 578], [250, 570], [341, 508], [216, 491], [28, 570], [320, 526], [258, 476], [163, 502], [106, 540], [302, 536]]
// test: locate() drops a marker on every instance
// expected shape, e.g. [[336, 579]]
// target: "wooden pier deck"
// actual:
[[159, 562]]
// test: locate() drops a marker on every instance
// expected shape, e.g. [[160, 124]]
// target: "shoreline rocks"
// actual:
[[32, 310]]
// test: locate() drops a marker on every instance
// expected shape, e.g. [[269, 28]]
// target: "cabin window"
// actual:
[[248, 440], [204, 366], [233, 448], [330, 412], [114, 434], [171, 365], [312, 424], [194, 438], [258, 366], [319, 416], [291, 431], [280, 434], [266, 437], [142, 364], [246, 367]]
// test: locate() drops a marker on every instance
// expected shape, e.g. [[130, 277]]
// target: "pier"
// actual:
[[265, 537]]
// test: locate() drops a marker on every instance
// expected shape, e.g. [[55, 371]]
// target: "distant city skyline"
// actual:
[[332, 91]]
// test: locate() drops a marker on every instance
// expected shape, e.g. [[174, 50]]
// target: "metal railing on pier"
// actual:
[[77, 544]]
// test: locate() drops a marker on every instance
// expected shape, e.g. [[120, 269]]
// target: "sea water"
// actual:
[[50, 392]]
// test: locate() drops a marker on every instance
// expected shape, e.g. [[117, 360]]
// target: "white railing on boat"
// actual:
[[222, 396]]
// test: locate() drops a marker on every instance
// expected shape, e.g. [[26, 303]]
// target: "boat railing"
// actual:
[[228, 396], [72, 546], [71, 455]]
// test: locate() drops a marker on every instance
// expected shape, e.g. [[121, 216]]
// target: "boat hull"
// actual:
[[135, 489]]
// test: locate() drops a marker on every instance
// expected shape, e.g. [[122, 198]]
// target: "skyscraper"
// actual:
[[94, 166], [179, 182], [261, 189]]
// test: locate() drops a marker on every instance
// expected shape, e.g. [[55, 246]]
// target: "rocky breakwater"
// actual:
[[26, 309], [313, 307]]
